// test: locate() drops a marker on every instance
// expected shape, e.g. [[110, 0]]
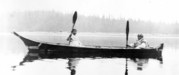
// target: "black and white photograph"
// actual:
[[89, 37]]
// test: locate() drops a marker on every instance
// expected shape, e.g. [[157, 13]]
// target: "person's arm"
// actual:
[[143, 45]]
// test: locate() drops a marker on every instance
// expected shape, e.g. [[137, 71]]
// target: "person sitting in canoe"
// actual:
[[73, 39], [140, 43]]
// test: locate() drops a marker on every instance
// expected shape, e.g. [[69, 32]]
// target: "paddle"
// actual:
[[74, 21], [127, 34]]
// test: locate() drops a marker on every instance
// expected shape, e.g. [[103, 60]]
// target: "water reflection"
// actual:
[[80, 66], [140, 63], [72, 63], [126, 71]]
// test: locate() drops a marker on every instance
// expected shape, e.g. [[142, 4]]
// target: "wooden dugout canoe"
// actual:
[[39, 50]]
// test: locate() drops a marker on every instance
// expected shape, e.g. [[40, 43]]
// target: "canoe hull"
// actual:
[[54, 51], [38, 50]]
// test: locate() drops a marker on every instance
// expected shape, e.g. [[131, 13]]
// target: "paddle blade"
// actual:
[[127, 32], [74, 17], [16, 34]]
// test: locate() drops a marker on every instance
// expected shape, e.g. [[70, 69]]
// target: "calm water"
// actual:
[[12, 51]]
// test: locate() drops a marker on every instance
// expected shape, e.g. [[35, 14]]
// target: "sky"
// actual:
[[146, 10]]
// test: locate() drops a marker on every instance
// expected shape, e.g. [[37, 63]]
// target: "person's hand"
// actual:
[[69, 38], [128, 45]]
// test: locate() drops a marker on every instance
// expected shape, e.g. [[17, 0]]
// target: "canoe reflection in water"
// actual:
[[39, 50]]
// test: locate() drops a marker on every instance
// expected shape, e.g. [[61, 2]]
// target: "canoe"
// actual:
[[40, 50]]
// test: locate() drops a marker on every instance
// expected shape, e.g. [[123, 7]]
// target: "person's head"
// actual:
[[74, 31], [140, 36]]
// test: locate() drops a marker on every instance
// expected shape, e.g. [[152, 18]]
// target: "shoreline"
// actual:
[[100, 34]]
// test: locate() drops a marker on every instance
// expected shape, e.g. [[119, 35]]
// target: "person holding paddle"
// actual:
[[73, 39], [140, 43]]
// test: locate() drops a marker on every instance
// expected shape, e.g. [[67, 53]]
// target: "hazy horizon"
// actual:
[[147, 10], [53, 21], [145, 16]]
